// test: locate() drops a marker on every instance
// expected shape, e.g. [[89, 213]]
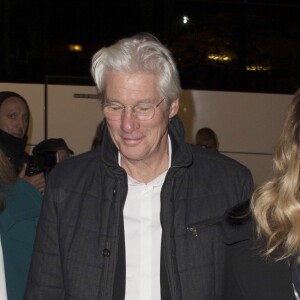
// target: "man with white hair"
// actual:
[[137, 217]]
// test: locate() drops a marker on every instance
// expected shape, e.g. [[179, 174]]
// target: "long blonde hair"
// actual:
[[7, 176], [276, 204]]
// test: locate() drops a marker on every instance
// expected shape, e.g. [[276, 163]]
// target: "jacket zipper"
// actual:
[[193, 230], [211, 222]]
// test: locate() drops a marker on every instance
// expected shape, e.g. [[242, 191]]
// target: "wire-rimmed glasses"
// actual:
[[142, 111]]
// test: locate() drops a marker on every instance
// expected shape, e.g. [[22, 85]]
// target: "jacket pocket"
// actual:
[[196, 228]]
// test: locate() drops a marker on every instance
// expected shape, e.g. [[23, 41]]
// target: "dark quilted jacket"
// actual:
[[79, 251]]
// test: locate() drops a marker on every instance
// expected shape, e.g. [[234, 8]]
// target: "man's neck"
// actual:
[[148, 169], [144, 171]]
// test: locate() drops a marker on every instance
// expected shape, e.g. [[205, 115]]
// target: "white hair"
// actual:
[[139, 53]]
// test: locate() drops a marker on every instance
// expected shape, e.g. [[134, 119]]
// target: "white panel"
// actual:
[[73, 119]]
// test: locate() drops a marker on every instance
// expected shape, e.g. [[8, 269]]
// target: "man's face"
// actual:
[[14, 117], [138, 140]]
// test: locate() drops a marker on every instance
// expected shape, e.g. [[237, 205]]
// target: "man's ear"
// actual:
[[174, 108]]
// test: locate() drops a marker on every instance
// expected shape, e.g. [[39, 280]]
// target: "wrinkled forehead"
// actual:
[[15, 102]]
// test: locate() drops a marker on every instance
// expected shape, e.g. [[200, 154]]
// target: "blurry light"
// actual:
[[185, 19], [75, 48], [219, 57], [258, 68]]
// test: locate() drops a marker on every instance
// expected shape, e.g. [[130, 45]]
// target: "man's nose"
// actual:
[[22, 123], [128, 119]]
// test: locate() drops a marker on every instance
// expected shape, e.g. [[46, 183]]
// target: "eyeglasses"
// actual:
[[142, 111]]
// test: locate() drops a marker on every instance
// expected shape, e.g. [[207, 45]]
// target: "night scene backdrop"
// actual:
[[251, 46]]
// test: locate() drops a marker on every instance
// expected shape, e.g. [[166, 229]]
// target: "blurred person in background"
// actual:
[[49, 152], [14, 120], [56, 145], [207, 138], [20, 205]]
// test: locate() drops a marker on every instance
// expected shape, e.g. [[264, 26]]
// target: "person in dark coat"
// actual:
[[14, 120], [137, 218]]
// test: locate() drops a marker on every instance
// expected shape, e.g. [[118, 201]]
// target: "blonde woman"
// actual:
[[20, 205], [263, 235], [276, 204]]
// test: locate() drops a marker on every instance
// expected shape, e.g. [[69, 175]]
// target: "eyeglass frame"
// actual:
[[123, 107]]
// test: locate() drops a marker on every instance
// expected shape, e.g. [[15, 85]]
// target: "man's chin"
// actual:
[[132, 155]]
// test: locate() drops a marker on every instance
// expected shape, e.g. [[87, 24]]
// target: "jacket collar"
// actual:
[[181, 152]]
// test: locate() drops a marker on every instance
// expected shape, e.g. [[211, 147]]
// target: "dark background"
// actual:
[[35, 35]]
